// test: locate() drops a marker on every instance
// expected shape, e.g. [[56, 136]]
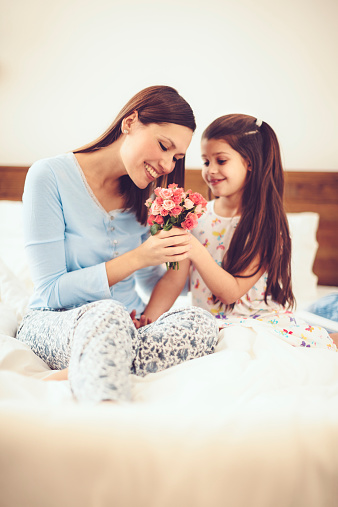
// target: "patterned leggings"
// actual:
[[101, 346]]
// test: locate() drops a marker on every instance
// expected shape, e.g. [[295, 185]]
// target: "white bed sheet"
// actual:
[[255, 424]]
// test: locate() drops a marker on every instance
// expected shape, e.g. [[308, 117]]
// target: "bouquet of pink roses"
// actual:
[[173, 206]]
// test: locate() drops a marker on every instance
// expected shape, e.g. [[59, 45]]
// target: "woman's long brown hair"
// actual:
[[155, 104], [263, 228]]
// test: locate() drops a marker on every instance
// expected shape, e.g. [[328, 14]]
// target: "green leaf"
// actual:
[[167, 226], [154, 229]]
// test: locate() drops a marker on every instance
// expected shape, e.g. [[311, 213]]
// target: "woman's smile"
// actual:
[[151, 171]]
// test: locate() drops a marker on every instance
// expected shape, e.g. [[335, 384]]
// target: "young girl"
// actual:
[[241, 249], [88, 244]]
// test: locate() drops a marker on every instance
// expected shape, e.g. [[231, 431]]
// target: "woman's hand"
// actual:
[[142, 321], [166, 246]]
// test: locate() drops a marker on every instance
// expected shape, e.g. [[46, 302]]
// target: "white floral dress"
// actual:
[[215, 233]]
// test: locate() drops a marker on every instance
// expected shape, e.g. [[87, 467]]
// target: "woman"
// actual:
[[87, 244]]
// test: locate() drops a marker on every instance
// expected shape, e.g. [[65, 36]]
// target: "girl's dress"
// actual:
[[215, 233]]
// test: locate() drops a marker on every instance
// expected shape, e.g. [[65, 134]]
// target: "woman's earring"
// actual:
[[125, 131]]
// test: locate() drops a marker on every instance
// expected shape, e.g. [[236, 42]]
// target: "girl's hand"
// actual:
[[142, 321], [166, 246], [196, 247]]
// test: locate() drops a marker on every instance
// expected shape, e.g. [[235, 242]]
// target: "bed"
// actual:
[[254, 424]]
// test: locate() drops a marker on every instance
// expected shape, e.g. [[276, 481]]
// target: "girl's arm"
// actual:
[[167, 290], [226, 287]]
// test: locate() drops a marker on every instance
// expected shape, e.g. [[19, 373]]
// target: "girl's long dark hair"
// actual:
[[155, 104], [263, 228]]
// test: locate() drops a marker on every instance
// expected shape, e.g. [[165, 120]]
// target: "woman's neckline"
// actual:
[[90, 191]]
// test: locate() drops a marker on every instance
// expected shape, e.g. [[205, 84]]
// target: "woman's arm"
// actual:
[[44, 234], [167, 290], [165, 246], [226, 287], [45, 242]]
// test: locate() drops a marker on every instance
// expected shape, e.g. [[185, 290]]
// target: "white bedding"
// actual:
[[255, 424]]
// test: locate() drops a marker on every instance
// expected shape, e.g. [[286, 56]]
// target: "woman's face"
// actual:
[[151, 151]]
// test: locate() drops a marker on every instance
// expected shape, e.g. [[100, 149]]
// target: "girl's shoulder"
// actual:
[[212, 216]]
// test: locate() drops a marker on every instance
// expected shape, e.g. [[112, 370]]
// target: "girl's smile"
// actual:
[[224, 169], [214, 182]]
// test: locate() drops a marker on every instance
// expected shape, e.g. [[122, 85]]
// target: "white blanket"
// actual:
[[253, 425]]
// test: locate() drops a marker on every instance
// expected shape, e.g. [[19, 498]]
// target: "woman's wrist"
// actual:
[[123, 266]]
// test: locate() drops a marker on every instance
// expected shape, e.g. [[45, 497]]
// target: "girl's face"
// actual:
[[151, 151], [224, 169]]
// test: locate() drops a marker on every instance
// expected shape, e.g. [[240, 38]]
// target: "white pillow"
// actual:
[[15, 281], [14, 298], [8, 320], [303, 231], [12, 250]]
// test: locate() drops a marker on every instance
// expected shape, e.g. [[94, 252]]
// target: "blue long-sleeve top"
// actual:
[[69, 237]]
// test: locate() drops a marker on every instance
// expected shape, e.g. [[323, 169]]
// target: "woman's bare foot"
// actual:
[[334, 337], [58, 375]]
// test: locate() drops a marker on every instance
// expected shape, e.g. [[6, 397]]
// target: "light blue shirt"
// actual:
[[69, 237]]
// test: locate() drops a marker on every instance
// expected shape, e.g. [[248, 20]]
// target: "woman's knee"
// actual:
[[102, 307], [197, 319], [102, 352], [177, 336], [104, 314]]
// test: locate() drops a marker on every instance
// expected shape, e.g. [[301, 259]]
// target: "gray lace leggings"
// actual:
[[101, 346]]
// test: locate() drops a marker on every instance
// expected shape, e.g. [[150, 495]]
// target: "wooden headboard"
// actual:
[[304, 191]]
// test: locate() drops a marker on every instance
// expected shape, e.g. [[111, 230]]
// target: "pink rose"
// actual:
[[176, 211], [159, 220], [164, 212], [199, 210], [151, 219], [172, 185], [178, 191], [157, 191], [155, 208], [197, 199], [149, 202], [190, 221], [166, 193], [177, 198], [188, 204], [168, 204]]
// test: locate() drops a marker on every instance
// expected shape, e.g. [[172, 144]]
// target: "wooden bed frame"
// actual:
[[304, 191]]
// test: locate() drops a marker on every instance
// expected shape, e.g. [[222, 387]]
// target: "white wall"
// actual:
[[68, 66]]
